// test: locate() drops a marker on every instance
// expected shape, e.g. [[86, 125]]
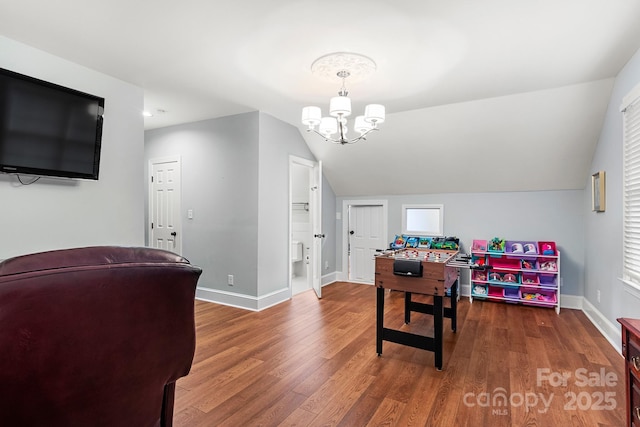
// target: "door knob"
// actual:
[[352, 232], [174, 234], [318, 235]]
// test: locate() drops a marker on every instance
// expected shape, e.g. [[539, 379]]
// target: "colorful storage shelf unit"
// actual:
[[518, 271]]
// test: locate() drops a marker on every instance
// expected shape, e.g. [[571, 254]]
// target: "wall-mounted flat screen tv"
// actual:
[[47, 129]]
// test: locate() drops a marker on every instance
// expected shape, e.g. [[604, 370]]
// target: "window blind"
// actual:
[[631, 226]]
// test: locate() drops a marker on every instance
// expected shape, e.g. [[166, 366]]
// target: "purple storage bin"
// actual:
[[513, 247], [511, 294], [549, 280]]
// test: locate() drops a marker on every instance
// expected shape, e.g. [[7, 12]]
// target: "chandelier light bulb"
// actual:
[[361, 125], [374, 113], [328, 126], [340, 106], [311, 116]]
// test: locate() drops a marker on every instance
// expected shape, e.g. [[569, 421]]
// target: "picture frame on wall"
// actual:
[[598, 196]]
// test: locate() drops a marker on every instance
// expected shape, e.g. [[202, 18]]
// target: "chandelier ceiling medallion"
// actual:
[[342, 65]]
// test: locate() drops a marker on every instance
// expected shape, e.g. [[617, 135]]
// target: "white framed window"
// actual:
[[423, 220], [631, 194]]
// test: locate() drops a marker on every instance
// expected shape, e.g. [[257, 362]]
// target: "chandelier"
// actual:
[[343, 65]]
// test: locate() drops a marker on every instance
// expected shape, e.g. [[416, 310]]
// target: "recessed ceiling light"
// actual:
[[147, 114]]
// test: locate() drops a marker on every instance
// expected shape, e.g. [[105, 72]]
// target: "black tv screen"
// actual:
[[47, 129]]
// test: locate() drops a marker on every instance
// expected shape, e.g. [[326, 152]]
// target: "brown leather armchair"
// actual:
[[94, 336]]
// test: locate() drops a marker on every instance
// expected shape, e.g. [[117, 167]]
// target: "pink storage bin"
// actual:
[[504, 262], [479, 246], [495, 292], [530, 279], [480, 275], [537, 296], [547, 248]]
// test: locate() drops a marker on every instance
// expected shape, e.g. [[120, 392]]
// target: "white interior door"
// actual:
[[316, 225], [366, 230], [165, 225]]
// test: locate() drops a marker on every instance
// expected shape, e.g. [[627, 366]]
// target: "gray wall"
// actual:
[[278, 140], [540, 215], [62, 213], [603, 248], [220, 183], [235, 177]]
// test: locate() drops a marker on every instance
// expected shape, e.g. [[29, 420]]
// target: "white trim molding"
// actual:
[[609, 330], [630, 287], [247, 302], [630, 97]]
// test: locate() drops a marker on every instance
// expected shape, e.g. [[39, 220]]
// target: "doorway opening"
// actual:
[[305, 235], [301, 235]]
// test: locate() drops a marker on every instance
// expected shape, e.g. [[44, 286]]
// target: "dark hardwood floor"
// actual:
[[310, 362]]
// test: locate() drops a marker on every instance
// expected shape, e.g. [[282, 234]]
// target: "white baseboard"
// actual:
[[571, 301], [609, 330], [247, 302], [330, 278]]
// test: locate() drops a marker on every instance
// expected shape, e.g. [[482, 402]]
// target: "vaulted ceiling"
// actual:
[[491, 95]]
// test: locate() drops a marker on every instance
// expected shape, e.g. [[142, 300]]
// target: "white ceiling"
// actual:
[[491, 95]]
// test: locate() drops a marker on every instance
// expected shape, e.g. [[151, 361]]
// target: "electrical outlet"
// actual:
[[598, 295], [230, 280], [326, 265]]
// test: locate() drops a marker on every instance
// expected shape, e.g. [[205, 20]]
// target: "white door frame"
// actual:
[[345, 228], [316, 211], [156, 160]]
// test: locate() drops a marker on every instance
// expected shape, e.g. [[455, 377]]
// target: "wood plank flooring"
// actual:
[[310, 362]]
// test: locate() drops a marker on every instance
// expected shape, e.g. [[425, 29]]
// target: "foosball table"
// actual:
[[420, 271]]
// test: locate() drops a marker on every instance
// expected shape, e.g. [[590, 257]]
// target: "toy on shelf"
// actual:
[[548, 265], [496, 244], [412, 242], [424, 242], [480, 275], [399, 242], [517, 248], [528, 265], [510, 278], [547, 249], [479, 290], [449, 243], [495, 277], [535, 296]]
